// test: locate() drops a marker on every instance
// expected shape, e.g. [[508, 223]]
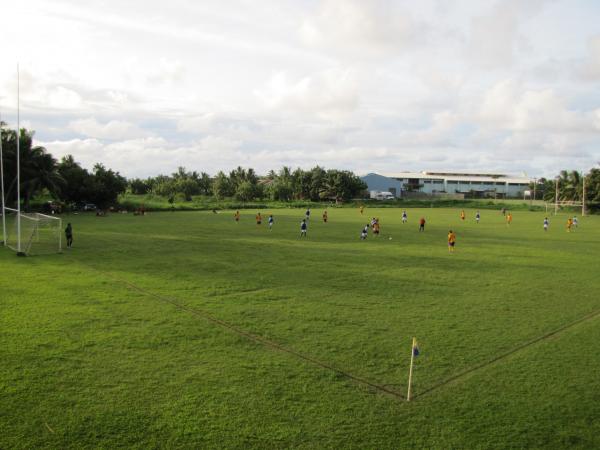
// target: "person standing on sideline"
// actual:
[[422, 224], [69, 235], [303, 228], [451, 241]]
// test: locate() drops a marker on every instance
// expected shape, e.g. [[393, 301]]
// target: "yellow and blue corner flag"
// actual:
[[415, 349]]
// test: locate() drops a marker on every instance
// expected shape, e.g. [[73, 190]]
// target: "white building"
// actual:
[[480, 185]]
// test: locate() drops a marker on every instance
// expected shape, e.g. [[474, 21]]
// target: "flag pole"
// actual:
[[18, 171], [2, 187], [410, 372]]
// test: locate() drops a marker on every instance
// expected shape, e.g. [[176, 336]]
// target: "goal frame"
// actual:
[[36, 219]]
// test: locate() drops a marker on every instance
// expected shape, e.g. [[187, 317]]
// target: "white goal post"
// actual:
[[40, 234], [558, 205]]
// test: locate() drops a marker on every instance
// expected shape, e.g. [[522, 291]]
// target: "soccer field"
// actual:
[[191, 330]]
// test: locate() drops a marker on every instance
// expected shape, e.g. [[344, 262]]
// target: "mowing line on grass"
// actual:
[[250, 336], [508, 353]]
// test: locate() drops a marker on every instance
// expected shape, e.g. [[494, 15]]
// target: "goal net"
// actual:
[[565, 205], [40, 234]]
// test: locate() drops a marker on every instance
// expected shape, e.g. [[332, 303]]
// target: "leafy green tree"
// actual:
[[76, 180], [106, 185], [39, 170], [205, 183], [222, 187], [139, 186], [246, 191]]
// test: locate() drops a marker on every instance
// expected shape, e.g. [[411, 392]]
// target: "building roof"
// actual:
[[460, 176]]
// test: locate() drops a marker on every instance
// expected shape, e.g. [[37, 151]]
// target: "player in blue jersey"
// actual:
[[303, 228]]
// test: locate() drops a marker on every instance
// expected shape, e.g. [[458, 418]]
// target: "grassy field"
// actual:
[[188, 330]]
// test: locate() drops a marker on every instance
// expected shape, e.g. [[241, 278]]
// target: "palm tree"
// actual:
[[39, 170]]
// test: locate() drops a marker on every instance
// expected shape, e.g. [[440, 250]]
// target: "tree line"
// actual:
[[570, 187], [245, 185], [66, 180]]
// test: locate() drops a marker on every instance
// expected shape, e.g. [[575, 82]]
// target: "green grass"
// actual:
[[111, 344]]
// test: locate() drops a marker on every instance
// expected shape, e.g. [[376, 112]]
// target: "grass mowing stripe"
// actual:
[[504, 355], [258, 339]]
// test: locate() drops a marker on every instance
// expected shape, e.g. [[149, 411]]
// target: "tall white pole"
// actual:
[[18, 169], [583, 197], [2, 188], [412, 360]]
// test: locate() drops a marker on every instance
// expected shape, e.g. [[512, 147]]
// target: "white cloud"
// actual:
[[354, 84], [591, 68], [358, 28], [509, 106], [114, 129], [333, 92]]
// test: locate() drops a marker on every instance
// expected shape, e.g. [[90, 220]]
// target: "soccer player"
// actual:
[[69, 235], [451, 241], [575, 222], [546, 223], [303, 228], [462, 215], [270, 221], [422, 224], [364, 233], [376, 227], [308, 214], [325, 216], [509, 218], [477, 217], [569, 224], [362, 209], [404, 216], [258, 219], [236, 216]]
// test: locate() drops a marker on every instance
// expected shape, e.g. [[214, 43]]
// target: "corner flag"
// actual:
[[416, 351], [413, 353]]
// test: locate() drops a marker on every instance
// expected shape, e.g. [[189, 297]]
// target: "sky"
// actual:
[[144, 87]]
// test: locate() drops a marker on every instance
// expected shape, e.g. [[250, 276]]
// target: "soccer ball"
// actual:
[[390, 238]]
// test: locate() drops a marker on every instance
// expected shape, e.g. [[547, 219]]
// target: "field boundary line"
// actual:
[[510, 352], [250, 336]]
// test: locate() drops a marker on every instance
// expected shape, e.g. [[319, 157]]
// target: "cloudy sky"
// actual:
[[146, 86]]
